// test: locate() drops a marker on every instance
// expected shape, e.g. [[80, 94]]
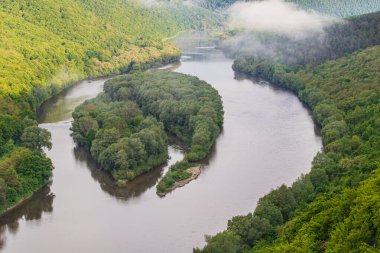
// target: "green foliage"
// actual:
[[43, 39], [214, 4], [176, 173], [119, 137], [189, 109], [22, 172], [225, 242], [34, 137], [124, 126], [339, 8]]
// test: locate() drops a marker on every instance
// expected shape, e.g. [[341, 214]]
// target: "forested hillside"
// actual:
[[58, 42], [47, 45], [214, 4], [337, 8], [335, 207]]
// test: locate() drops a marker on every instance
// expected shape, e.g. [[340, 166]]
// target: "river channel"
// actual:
[[268, 139]]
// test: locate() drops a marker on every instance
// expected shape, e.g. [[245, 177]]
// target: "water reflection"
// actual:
[[133, 188], [31, 210]]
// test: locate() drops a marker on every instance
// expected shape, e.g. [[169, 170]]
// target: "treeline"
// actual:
[[339, 8], [214, 4], [23, 166], [119, 137], [125, 127], [334, 208], [337, 40]]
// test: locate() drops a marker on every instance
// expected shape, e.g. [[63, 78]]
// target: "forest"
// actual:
[[339, 8], [126, 127], [335, 207], [48, 45], [336, 8]]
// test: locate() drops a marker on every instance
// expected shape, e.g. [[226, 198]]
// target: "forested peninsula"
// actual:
[[126, 127]]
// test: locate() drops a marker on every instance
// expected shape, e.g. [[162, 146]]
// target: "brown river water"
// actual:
[[268, 139]]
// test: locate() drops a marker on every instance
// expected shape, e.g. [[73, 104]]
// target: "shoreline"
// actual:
[[18, 203], [194, 171], [174, 36], [39, 116], [22, 201]]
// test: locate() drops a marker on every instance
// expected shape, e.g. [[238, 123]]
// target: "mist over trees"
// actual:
[[335, 41]]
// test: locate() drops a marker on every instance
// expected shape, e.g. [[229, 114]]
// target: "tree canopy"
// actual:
[[126, 126]]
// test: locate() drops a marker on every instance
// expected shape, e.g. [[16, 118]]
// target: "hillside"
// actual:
[[56, 43]]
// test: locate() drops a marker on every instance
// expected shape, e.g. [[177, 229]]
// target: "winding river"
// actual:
[[268, 139]]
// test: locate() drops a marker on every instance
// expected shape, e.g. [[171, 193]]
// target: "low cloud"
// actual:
[[278, 17]]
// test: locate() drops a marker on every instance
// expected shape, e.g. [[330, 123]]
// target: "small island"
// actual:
[[126, 127]]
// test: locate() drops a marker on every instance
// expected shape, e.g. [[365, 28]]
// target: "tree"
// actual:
[[37, 138], [225, 242]]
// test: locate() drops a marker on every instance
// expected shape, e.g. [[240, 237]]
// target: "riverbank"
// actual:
[[13, 154], [194, 171], [20, 202]]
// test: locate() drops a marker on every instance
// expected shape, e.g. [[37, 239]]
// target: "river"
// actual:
[[268, 139]]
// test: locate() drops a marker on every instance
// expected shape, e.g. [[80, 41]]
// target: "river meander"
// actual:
[[268, 139]]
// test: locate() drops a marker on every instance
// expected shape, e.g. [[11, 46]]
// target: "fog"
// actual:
[[273, 29], [276, 16]]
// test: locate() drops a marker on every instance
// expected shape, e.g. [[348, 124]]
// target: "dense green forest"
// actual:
[[337, 40], [47, 45], [125, 127], [337, 8], [215, 5], [23, 170], [335, 207], [120, 138], [57, 43]]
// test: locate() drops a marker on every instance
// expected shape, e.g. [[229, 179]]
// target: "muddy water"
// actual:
[[268, 139]]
